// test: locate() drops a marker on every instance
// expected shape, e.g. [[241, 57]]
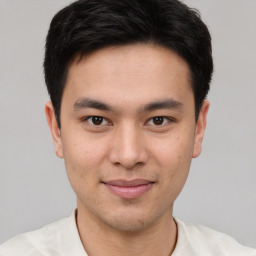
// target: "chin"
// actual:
[[128, 225], [129, 222]]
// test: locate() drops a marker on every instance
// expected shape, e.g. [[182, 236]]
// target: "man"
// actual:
[[128, 82]]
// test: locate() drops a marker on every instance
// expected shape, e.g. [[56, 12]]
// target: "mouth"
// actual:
[[129, 189]]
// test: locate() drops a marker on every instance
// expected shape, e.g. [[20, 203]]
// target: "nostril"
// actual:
[[128, 149], [128, 161]]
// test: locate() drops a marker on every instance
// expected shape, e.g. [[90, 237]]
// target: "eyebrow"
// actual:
[[90, 103], [163, 104], [83, 103]]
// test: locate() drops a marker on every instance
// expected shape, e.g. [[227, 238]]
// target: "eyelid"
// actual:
[[106, 121], [168, 119]]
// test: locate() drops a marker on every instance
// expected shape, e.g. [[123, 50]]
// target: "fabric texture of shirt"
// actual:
[[62, 239]]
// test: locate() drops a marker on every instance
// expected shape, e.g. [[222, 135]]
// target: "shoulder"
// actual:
[[201, 240], [44, 241]]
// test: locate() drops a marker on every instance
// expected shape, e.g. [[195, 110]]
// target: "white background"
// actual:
[[221, 189]]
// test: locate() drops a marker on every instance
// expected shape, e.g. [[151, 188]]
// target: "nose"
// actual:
[[128, 148]]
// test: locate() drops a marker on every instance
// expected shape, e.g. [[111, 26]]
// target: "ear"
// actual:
[[200, 128], [55, 131]]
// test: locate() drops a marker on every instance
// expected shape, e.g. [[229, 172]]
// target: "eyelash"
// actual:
[[165, 120], [99, 117], [162, 118]]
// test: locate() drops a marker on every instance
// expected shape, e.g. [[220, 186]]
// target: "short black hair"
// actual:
[[88, 25]]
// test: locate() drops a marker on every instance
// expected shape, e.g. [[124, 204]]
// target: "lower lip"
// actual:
[[130, 192]]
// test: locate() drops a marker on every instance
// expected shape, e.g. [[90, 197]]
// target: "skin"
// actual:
[[128, 143]]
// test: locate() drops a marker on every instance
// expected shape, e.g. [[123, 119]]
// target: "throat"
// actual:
[[158, 239]]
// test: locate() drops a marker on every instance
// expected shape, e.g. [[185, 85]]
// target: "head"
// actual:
[[86, 26], [127, 80]]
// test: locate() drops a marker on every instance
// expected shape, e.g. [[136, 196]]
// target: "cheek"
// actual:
[[174, 158], [83, 149], [83, 157], [173, 150]]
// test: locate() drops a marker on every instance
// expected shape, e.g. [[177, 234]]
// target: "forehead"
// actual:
[[129, 72]]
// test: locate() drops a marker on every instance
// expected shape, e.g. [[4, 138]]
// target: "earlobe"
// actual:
[[200, 128], [55, 131]]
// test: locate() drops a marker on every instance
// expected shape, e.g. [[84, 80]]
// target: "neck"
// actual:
[[100, 239]]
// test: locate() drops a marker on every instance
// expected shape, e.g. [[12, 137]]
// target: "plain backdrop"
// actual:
[[221, 189]]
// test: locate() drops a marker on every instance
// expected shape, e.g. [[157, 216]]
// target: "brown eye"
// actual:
[[159, 120], [97, 120]]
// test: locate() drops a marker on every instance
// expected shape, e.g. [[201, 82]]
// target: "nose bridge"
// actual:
[[128, 148]]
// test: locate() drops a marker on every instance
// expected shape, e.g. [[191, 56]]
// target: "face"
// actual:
[[128, 133]]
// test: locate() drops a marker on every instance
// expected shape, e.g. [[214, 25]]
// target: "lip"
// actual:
[[129, 189]]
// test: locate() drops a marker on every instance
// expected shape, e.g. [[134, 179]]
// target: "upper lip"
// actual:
[[128, 183]]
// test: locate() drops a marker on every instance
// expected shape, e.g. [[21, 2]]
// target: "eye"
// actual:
[[96, 120], [159, 121]]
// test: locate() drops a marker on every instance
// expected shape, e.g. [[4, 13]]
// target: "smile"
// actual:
[[129, 189]]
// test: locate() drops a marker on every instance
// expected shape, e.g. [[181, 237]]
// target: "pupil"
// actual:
[[97, 120], [158, 120]]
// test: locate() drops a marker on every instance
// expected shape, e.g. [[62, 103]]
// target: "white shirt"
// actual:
[[62, 239]]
